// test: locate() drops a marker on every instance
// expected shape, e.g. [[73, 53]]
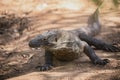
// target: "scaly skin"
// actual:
[[68, 45]]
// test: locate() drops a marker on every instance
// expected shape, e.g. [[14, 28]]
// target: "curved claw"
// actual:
[[101, 62], [111, 48], [44, 67]]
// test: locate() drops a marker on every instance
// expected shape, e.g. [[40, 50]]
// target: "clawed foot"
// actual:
[[44, 67], [101, 62], [111, 48]]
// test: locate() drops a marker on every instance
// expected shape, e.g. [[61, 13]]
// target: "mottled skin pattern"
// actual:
[[68, 45]]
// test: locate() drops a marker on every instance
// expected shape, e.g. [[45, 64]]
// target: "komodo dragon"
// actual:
[[68, 45]]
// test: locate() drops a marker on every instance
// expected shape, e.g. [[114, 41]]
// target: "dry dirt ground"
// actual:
[[18, 61]]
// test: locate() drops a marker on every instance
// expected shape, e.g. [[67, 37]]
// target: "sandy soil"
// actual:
[[17, 27]]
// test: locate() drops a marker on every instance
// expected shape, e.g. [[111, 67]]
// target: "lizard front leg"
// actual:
[[99, 44], [93, 57], [48, 62]]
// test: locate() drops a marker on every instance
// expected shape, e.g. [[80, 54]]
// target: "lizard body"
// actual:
[[68, 45]]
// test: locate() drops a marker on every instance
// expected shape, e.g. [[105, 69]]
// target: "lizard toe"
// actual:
[[101, 62], [44, 67]]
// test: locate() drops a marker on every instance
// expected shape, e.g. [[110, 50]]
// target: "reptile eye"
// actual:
[[56, 39], [44, 39]]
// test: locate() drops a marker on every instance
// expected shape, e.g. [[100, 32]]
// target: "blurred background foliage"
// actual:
[[115, 2]]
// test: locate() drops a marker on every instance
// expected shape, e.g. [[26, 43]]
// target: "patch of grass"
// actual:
[[116, 3], [97, 2]]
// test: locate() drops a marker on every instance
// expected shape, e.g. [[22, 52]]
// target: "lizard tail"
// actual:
[[94, 25]]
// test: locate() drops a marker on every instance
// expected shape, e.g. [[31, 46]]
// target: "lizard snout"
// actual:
[[34, 44]]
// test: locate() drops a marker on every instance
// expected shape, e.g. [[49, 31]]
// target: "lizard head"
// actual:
[[47, 39]]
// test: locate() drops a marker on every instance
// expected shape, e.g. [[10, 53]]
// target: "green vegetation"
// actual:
[[97, 2], [115, 2]]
